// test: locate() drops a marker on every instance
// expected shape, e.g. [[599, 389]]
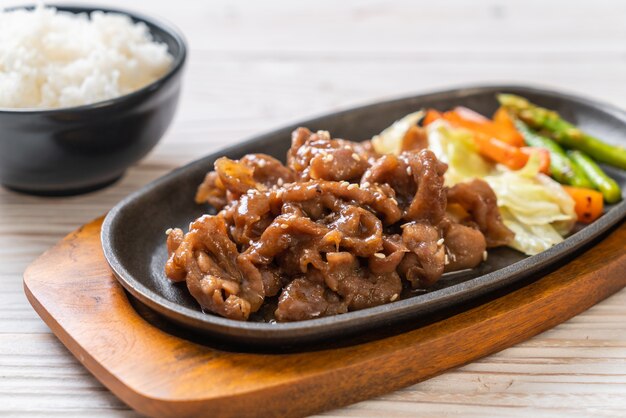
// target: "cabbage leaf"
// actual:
[[532, 205], [389, 141]]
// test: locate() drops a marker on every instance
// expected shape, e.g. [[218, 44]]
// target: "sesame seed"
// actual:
[[356, 157], [280, 181], [353, 186], [279, 194], [328, 158], [347, 147], [284, 226], [485, 255], [366, 184], [379, 255], [323, 135], [394, 297], [262, 163], [168, 231], [446, 260], [405, 225], [395, 202], [345, 183], [440, 242], [409, 171]]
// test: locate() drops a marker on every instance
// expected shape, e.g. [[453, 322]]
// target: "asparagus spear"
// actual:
[[562, 131], [561, 168], [605, 184]]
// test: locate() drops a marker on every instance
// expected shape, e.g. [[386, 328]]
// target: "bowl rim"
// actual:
[[178, 60]]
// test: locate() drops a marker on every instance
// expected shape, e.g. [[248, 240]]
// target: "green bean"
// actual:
[[562, 131], [561, 168], [605, 184]]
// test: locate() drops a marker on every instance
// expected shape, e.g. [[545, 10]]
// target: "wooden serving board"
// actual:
[[72, 288]]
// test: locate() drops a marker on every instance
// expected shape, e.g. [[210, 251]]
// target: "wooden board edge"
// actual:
[[130, 395], [155, 406]]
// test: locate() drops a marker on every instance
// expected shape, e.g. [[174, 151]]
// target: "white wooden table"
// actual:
[[257, 65]]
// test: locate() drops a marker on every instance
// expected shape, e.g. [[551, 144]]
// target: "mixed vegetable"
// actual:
[[542, 168]]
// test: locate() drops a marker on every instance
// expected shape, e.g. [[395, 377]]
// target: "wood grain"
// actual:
[[257, 65], [158, 374]]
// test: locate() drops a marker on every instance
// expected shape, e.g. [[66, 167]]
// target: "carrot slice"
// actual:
[[506, 129], [500, 151], [488, 145], [503, 117], [431, 116], [470, 115], [476, 122], [589, 203]]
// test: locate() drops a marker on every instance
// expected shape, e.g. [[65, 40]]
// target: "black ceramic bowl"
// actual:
[[73, 150]]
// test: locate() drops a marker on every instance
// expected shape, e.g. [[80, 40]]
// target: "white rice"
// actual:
[[51, 59]]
